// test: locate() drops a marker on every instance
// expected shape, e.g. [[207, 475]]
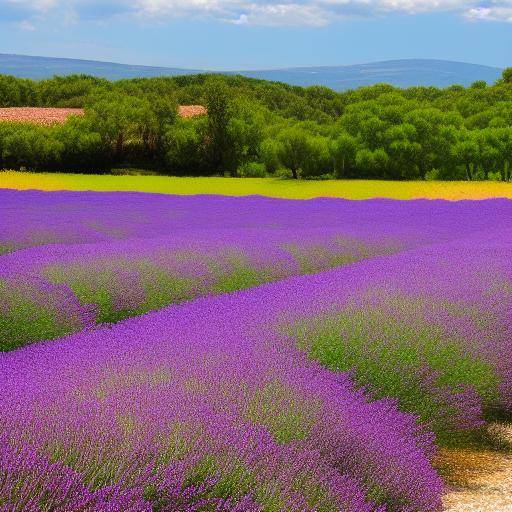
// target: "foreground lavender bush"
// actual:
[[216, 389], [188, 398], [431, 327]]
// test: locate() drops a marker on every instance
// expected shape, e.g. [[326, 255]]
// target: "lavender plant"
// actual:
[[295, 395]]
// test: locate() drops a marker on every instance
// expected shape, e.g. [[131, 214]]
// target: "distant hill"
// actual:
[[25, 66], [401, 73]]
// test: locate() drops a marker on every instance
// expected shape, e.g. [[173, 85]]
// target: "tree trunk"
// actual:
[[469, 175], [294, 174], [119, 145]]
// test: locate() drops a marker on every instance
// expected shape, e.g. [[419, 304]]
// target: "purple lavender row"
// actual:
[[30, 218], [54, 289]]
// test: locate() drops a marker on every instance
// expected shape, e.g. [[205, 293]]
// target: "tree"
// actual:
[[372, 163], [479, 84], [343, 151], [404, 151], [467, 152], [505, 138], [82, 149], [245, 131], [295, 150], [119, 119], [507, 75], [318, 161], [184, 147], [269, 152], [29, 146], [219, 115], [165, 113], [430, 125]]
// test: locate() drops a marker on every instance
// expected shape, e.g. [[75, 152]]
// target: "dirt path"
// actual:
[[480, 480]]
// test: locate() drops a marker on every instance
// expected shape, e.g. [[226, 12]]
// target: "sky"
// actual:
[[259, 34]]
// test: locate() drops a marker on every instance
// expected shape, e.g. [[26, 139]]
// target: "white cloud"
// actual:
[[315, 13], [496, 11], [26, 25], [285, 14]]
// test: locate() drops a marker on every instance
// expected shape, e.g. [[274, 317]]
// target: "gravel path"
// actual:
[[480, 480]]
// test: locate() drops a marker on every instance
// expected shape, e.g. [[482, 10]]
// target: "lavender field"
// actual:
[[208, 353]]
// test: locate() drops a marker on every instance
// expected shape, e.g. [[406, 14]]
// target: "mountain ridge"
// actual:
[[399, 72]]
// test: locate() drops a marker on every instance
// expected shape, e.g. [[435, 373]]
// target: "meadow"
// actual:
[[165, 352], [270, 187]]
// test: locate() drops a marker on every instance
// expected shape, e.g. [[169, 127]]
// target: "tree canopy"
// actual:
[[258, 128]]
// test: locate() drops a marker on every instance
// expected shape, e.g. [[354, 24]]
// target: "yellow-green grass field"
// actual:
[[272, 187]]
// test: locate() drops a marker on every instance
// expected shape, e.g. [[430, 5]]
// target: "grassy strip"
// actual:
[[272, 187]]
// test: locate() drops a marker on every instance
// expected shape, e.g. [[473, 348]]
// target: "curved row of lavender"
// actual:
[[204, 406], [77, 259], [254, 400]]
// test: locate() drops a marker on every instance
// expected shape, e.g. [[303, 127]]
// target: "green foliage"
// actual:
[[184, 148], [304, 154], [393, 355], [285, 414], [220, 147], [343, 150], [372, 132], [22, 303], [252, 170]]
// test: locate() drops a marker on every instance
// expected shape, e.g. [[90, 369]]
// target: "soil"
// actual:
[[479, 480]]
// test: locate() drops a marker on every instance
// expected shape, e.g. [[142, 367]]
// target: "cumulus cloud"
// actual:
[[492, 11], [315, 13]]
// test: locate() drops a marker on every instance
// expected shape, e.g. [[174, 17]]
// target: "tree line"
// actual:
[[259, 128]]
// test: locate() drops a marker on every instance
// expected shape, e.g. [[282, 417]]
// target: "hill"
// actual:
[[400, 73], [25, 66]]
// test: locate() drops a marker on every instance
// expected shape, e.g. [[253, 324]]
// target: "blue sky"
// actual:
[[251, 34]]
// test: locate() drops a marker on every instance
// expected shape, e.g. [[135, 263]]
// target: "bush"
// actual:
[[252, 170]]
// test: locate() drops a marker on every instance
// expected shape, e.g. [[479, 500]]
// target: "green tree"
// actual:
[[269, 153], [467, 152], [372, 163], [185, 151], [121, 119], [295, 149], [343, 152], [507, 75], [479, 84], [218, 104]]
